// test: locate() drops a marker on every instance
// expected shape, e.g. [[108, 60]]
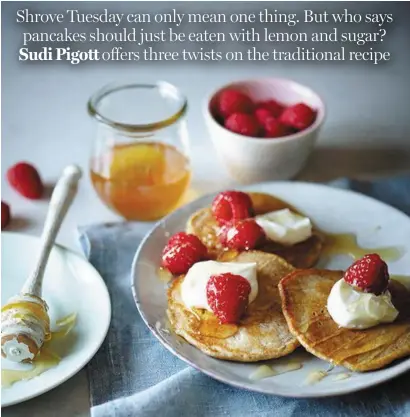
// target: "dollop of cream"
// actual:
[[193, 287], [285, 226], [355, 309]]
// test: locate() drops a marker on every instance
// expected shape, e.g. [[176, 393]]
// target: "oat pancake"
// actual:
[[261, 334], [304, 298], [302, 255]]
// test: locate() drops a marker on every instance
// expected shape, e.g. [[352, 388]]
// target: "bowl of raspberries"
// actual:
[[264, 129]]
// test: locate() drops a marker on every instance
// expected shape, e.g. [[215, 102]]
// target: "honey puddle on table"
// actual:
[[346, 244], [46, 359]]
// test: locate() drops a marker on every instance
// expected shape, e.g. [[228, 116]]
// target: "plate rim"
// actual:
[[402, 367], [97, 346]]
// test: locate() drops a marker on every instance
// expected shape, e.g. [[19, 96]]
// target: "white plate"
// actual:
[[333, 210], [71, 285]]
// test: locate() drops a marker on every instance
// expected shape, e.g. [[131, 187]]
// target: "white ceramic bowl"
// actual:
[[252, 159]]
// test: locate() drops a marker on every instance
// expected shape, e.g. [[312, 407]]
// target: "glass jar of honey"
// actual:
[[139, 165]]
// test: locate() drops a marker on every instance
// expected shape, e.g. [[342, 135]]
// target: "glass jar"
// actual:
[[139, 165]]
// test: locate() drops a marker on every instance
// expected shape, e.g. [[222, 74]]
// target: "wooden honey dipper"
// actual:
[[25, 324]]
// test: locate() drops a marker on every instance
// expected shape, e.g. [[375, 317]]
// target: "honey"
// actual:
[[208, 324], [262, 372], [46, 359], [213, 328], [141, 181], [29, 309], [265, 371], [342, 376], [346, 244], [164, 275], [65, 325], [315, 377]]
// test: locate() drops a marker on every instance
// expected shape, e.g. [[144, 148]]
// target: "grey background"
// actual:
[[44, 120]]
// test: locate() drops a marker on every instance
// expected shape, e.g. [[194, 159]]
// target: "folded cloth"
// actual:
[[133, 375]]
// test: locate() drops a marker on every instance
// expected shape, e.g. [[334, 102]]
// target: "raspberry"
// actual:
[[189, 238], [300, 116], [245, 235], [244, 124], [228, 296], [274, 108], [274, 129], [369, 274], [181, 252], [5, 214], [229, 206], [177, 238], [25, 179], [262, 114], [233, 101]]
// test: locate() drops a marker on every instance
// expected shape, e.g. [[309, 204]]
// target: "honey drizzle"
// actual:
[[207, 324], [262, 372], [164, 275], [213, 328], [346, 244], [265, 371], [45, 360], [315, 377], [27, 309], [341, 377]]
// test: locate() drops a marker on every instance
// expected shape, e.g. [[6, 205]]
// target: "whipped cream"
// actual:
[[285, 226], [354, 309], [193, 287]]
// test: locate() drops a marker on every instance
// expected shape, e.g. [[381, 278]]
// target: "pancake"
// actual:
[[302, 255], [304, 298], [261, 334]]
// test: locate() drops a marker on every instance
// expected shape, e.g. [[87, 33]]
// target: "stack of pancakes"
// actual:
[[290, 309]]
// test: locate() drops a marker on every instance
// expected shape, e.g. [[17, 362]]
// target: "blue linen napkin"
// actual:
[[133, 375]]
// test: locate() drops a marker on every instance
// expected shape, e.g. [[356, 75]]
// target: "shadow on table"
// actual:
[[326, 164]]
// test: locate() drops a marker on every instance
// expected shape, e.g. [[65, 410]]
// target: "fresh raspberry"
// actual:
[[244, 124], [274, 128], [262, 114], [245, 235], [274, 108], [181, 252], [25, 179], [300, 116], [177, 238], [5, 215], [193, 240], [228, 296], [233, 101], [229, 206], [369, 274]]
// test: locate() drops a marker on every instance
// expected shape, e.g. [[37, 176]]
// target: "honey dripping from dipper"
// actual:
[[48, 357]]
